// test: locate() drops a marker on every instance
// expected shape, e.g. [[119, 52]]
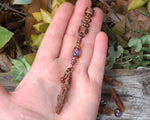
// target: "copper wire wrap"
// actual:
[[67, 77], [116, 98]]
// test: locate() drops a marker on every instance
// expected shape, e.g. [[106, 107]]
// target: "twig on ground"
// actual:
[[10, 8]]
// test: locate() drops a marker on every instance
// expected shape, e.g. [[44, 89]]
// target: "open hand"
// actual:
[[36, 96]]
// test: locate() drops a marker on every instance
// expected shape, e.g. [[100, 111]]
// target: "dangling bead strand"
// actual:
[[66, 79]]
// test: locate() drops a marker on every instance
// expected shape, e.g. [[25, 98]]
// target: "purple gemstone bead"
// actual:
[[76, 52]]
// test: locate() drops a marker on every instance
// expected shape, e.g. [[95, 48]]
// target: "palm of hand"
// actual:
[[35, 97]]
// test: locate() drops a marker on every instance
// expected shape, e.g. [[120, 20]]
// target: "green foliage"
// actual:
[[136, 43], [41, 27], [55, 5], [46, 16], [36, 40], [144, 13], [136, 4], [142, 32], [140, 57], [113, 55], [19, 70], [37, 16], [22, 2], [5, 36], [146, 40], [21, 67]]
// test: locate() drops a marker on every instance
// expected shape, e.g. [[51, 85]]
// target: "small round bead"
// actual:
[[86, 25], [79, 41], [117, 112], [73, 61]]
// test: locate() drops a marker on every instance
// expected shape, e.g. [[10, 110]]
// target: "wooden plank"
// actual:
[[135, 93]]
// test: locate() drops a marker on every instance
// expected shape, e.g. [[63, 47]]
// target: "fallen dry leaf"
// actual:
[[119, 28], [122, 2], [5, 62]]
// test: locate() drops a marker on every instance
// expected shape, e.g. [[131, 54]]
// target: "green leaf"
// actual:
[[37, 26], [126, 51], [111, 36], [145, 63], [41, 27], [37, 41], [142, 32], [33, 37], [19, 69], [29, 58], [136, 43], [37, 16], [46, 16], [126, 65], [146, 49], [55, 5], [134, 58], [113, 53], [136, 4], [22, 2], [144, 13], [146, 40], [141, 56], [134, 66], [5, 36], [110, 61]]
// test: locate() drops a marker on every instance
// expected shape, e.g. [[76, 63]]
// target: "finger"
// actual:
[[96, 68], [87, 45], [71, 35], [51, 44]]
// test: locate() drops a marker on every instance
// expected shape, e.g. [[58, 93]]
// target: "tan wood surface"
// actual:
[[135, 93]]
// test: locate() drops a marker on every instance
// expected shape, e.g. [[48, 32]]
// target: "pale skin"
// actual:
[[35, 97]]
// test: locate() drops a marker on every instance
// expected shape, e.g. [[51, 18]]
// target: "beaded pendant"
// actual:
[[66, 79], [117, 112], [76, 52]]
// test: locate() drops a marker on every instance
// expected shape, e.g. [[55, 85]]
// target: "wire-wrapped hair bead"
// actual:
[[66, 79], [89, 11], [83, 31], [76, 52]]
